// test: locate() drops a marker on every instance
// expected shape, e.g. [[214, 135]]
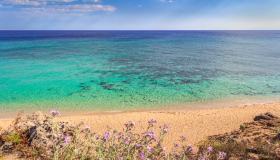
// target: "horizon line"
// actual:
[[139, 29]]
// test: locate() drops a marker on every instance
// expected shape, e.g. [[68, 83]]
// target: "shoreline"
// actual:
[[197, 105], [195, 123]]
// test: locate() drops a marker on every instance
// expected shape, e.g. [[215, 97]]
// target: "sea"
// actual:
[[119, 70]]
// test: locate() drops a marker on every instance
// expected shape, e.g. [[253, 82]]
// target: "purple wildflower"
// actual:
[[150, 134], [210, 149], [176, 145], [202, 158], [106, 136], [138, 145], [222, 155], [150, 149], [177, 156], [54, 113], [164, 129], [119, 135], [97, 137], [189, 149], [129, 124], [151, 122], [127, 141], [142, 156], [67, 139]]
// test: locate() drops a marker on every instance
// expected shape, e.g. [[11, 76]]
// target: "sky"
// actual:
[[140, 14]]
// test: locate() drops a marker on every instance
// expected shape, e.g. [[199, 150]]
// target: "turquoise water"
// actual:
[[134, 69]]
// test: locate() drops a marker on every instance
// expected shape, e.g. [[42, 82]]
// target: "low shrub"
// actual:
[[40, 136]]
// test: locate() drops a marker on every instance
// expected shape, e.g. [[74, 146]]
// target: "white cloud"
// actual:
[[22, 2], [59, 5], [167, 1], [74, 8]]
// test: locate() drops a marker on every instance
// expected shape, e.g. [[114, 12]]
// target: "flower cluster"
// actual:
[[60, 140], [54, 113]]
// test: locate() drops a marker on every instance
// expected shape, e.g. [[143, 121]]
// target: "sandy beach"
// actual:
[[195, 124]]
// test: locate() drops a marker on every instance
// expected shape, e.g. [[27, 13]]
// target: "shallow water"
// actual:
[[134, 69]]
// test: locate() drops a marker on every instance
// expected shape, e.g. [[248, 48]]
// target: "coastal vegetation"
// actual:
[[41, 136]]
